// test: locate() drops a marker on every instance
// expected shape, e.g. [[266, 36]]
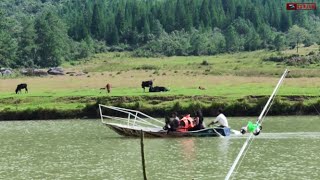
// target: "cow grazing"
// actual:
[[158, 89], [21, 86], [145, 84], [108, 87]]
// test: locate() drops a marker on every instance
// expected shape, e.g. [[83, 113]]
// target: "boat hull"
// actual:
[[156, 132]]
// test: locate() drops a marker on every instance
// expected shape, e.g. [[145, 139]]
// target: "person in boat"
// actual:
[[251, 128], [186, 123], [172, 123], [221, 119], [198, 121]]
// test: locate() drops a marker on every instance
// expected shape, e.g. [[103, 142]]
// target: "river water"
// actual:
[[288, 148]]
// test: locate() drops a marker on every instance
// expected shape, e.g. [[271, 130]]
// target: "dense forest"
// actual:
[[44, 33]]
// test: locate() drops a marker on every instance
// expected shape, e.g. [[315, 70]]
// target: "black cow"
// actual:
[[21, 86], [145, 84], [158, 89]]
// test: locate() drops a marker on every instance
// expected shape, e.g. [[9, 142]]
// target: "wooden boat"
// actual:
[[131, 122], [159, 132]]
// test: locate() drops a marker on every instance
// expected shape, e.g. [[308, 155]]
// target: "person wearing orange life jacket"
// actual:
[[185, 123]]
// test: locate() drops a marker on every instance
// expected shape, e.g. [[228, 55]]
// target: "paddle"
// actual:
[[210, 124], [218, 133]]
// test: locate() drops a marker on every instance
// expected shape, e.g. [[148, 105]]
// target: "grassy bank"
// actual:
[[164, 105], [238, 82]]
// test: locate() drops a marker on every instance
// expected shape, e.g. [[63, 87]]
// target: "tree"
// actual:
[[180, 15], [253, 41], [279, 42], [219, 40], [113, 35], [119, 21], [297, 35], [8, 49], [27, 47], [266, 34], [51, 40], [229, 8], [8, 44], [300, 18], [158, 29], [285, 22], [232, 39], [204, 13], [97, 26]]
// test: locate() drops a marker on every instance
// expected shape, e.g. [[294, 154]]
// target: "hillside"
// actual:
[[46, 33]]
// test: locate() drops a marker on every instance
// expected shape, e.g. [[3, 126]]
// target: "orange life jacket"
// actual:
[[188, 123]]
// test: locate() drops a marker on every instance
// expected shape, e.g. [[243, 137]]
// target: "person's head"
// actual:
[[174, 114], [198, 113], [219, 111]]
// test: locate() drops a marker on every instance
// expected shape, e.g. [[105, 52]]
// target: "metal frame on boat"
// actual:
[[128, 122]]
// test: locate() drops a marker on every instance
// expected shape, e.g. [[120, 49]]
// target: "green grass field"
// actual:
[[227, 76]]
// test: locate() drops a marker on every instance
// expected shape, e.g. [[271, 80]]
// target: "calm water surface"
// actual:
[[288, 148]]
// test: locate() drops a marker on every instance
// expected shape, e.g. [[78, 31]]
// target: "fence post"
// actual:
[[142, 155]]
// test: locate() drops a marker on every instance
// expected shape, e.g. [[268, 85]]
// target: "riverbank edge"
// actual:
[[161, 106]]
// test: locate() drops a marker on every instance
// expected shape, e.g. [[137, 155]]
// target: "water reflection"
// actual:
[[223, 147], [188, 149]]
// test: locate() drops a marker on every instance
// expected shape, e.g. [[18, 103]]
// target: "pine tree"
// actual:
[[205, 14], [8, 45], [285, 22], [97, 27], [232, 39], [158, 29], [229, 8], [27, 47], [180, 15], [279, 42], [51, 40], [119, 21]]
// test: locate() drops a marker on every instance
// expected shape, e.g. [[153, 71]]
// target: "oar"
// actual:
[[216, 131]]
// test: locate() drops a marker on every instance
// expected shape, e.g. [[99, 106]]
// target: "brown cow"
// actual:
[[108, 87]]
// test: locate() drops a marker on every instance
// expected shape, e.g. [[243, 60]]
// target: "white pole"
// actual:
[[258, 121], [238, 158], [272, 95]]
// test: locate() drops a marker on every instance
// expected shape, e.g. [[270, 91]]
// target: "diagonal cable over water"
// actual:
[[259, 121]]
